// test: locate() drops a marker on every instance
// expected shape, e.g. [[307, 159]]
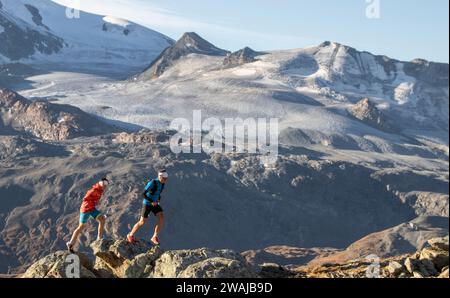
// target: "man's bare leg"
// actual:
[[101, 226], [158, 227], [136, 228], [75, 235]]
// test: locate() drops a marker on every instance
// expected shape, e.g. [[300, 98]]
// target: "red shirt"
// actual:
[[91, 199]]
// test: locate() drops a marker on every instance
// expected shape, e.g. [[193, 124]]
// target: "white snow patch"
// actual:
[[116, 21], [403, 92], [243, 72]]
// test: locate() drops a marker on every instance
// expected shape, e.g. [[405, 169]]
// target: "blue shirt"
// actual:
[[156, 195]]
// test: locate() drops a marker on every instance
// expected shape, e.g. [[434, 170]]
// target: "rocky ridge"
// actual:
[[430, 262], [119, 259]]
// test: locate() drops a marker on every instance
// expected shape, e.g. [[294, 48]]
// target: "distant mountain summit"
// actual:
[[189, 43], [243, 56]]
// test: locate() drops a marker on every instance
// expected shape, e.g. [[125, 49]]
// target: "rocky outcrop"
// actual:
[[367, 112], [143, 137], [56, 266], [202, 262], [189, 43], [431, 261], [46, 120], [243, 56], [120, 259], [426, 203]]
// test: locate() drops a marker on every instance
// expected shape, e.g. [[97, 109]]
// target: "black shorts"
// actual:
[[147, 209]]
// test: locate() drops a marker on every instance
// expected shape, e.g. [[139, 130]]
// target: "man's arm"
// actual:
[[147, 188]]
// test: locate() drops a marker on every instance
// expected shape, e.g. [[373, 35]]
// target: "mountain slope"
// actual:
[[35, 31], [325, 81]]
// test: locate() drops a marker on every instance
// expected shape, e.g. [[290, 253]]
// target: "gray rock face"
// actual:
[[37, 18], [202, 263], [435, 74], [189, 43], [46, 120], [243, 56], [426, 203], [20, 42]]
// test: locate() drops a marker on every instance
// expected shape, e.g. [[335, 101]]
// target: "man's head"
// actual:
[[104, 183], [163, 176]]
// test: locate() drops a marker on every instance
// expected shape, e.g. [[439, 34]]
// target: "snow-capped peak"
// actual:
[[55, 37]]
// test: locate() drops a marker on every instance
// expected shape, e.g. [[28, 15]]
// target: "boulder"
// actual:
[[272, 270], [142, 264], [201, 262], [122, 259], [444, 273], [439, 243], [428, 267], [425, 267], [395, 268], [56, 265], [440, 258], [410, 264], [218, 268]]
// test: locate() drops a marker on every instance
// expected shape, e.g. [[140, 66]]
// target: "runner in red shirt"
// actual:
[[88, 209]]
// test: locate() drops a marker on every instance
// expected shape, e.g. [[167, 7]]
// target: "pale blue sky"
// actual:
[[406, 29]]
